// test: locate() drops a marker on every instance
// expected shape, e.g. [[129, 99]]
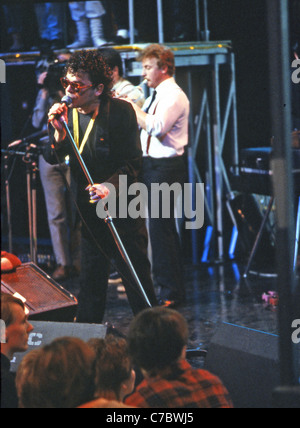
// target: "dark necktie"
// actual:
[[151, 102], [146, 111]]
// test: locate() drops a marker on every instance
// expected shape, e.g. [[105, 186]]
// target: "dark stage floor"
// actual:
[[215, 294]]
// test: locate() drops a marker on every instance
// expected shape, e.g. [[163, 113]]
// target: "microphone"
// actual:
[[65, 100], [24, 140]]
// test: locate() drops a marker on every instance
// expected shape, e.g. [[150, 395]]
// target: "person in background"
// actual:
[[15, 339], [164, 121], [88, 17], [106, 131], [180, 21], [121, 86], [120, 13], [157, 341], [63, 223], [50, 19], [14, 22]]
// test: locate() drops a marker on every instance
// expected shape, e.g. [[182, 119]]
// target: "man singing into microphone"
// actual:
[[106, 132]]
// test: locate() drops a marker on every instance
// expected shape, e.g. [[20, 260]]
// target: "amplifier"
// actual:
[[44, 299], [258, 160], [45, 332], [256, 173]]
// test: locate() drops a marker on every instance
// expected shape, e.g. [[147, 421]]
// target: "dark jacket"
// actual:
[[113, 149], [9, 398]]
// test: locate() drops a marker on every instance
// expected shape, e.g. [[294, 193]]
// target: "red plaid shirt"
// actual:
[[185, 388]]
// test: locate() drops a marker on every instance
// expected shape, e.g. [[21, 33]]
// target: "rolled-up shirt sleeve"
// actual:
[[167, 122], [166, 117]]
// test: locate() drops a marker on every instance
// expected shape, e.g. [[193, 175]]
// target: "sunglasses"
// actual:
[[76, 87]]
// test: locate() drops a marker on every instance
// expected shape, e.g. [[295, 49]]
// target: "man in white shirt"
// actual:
[[164, 121]]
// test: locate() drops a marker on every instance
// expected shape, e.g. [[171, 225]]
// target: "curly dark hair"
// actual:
[[92, 63]]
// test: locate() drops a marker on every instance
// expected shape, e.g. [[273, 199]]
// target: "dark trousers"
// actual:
[[95, 269], [167, 263]]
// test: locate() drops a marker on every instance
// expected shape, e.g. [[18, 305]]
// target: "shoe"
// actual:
[[83, 35], [122, 37], [97, 32], [61, 273], [16, 47], [123, 33], [79, 44]]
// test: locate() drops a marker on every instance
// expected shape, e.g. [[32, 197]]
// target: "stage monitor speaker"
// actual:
[[247, 362], [43, 297], [45, 332]]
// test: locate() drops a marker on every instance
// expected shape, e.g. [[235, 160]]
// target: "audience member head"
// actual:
[[17, 327], [59, 375], [114, 60], [24, 372], [157, 340], [114, 375]]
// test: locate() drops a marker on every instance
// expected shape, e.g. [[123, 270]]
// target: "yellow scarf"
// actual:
[[87, 132]]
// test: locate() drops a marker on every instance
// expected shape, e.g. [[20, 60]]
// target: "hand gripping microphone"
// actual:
[[65, 100]]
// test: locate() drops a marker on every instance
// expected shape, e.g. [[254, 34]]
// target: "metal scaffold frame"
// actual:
[[215, 55], [200, 8], [216, 117]]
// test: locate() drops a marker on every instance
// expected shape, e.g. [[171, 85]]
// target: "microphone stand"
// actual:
[[8, 206], [108, 220], [30, 159], [31, 170]]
